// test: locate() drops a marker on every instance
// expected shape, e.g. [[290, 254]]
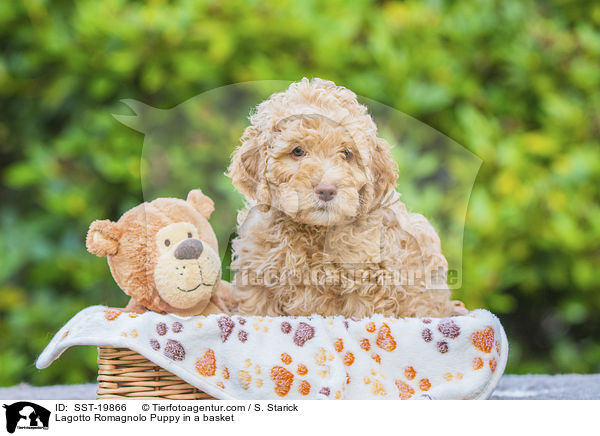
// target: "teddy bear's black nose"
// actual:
[[189, 249]]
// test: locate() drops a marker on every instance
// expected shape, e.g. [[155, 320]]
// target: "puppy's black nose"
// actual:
[[325, 192], [189, 249]]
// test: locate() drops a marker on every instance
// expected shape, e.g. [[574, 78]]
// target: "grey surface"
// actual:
[[57, 392], [548, 387], [511, 387]]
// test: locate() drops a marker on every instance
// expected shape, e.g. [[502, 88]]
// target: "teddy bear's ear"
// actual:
[[103, 238], [201, 203]]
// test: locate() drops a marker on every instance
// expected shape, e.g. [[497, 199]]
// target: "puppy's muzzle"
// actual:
[[189, 249]]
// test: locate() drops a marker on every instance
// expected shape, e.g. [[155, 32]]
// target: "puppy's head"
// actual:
[[313, 152]]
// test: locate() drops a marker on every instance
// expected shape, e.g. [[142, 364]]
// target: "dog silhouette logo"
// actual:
[[26, 415], [190, 145]]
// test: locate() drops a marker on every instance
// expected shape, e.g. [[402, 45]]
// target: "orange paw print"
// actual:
[[483, 340], [385, 340], [283, 380], [371, 327], [404, 390], [207, 364], [112, 314], [302, 369], [410, 373], [348, 358], [286, 358], [304, 388]]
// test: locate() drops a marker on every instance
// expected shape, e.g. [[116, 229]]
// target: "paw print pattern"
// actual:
[[426, 335], [304, 332], [283, 376], [355, 360], [286, 327], [161, 328], [404, 390], [112, 314], [385, 340], [207, 364], [446, 327], [172, 349], [381, 337], [413, 382], [227, 325], [250, 374], [440, 333], [283, 380], [484, 341], [442, 347]]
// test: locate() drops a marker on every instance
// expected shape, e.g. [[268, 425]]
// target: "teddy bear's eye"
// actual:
[[167, 242], [189, 234]]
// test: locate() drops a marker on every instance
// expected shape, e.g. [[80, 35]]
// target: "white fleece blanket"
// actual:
[[234, 357]]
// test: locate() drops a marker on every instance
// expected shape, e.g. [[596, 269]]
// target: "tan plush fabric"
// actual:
[[164, 255]]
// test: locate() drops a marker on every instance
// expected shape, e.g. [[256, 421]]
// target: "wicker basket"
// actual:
[[124, 374]]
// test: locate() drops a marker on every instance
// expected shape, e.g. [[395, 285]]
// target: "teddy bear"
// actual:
[[164, 255]]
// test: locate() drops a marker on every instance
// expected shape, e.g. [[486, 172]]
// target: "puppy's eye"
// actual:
[[298, 152], [189, 234], [167, 242], [347, 154]]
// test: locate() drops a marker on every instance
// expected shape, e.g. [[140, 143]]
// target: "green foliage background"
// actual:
[[516, 82]]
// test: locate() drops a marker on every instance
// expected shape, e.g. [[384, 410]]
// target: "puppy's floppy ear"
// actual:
[[383, 168], [103, 238], [247, 165], [201, 203]]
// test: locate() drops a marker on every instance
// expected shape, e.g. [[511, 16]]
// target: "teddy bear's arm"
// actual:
[[222, 296], [458, 308], [132, 306]]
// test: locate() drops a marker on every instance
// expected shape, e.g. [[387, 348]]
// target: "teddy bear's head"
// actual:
[[163, 253]]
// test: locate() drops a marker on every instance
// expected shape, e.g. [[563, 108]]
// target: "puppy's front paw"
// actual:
[[458, 308]]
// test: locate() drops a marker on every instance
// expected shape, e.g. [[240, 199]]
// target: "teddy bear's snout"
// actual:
[[189, 249]]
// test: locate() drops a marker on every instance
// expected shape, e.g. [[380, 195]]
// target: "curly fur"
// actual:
[[292, 236]]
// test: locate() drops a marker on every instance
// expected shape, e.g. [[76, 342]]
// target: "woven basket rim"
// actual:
[[126, 374]]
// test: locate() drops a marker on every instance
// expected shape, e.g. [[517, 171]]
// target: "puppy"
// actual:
[[324, 230]]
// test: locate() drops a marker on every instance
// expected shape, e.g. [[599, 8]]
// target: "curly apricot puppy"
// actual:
[[328, 234]]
